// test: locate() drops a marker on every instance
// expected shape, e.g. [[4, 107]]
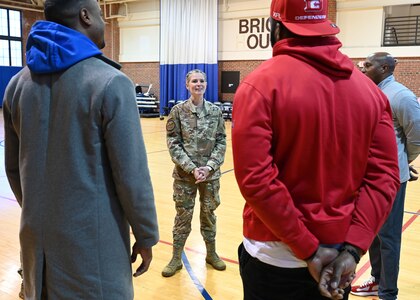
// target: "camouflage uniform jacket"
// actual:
[[196, 139]]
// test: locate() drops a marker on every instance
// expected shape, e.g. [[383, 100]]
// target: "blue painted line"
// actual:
[[10, 199], [227, 171], [194, 278]]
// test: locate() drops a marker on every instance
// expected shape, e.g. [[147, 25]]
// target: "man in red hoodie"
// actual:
[[322, 179]]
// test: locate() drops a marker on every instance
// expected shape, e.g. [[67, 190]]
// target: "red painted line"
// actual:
[[366, 266], [166, 243], [359, 273], [410, 221]]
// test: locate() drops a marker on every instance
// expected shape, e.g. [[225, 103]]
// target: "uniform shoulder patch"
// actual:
[[170, 125]]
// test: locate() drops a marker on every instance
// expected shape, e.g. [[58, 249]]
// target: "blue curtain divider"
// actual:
[[172, 82], [6, 73]]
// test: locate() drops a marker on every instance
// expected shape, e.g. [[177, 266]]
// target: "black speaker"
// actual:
[[230, 81]]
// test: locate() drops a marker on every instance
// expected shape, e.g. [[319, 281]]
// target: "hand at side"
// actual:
[[146, 255]]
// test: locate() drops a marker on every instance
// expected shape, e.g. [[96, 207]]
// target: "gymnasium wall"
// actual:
[[361, 24], [407, 72], [134, 40], [28, 18], [242, 27]]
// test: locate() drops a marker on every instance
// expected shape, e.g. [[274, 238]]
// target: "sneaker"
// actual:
[[367, 288]]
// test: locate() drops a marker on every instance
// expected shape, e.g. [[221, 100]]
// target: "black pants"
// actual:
[[262, 281]]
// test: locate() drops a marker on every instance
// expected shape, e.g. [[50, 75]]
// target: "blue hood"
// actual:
[[53, 47]]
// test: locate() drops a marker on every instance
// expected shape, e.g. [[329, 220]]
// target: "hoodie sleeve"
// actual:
[[375, 202]]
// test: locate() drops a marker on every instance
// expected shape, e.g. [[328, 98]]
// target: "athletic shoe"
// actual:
[[367, 288]]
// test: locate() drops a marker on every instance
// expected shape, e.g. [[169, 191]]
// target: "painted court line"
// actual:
[[194, 278], [227, 171], [359, 273], [190, 271], [202, 253], [10, 199], [366, 266]]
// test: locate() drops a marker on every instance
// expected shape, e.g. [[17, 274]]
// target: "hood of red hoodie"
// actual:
[[320, 52]]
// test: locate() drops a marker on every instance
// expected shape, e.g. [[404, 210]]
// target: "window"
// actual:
[[10, 37]]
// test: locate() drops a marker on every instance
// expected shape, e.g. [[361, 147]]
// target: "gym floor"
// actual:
[[196, 280]]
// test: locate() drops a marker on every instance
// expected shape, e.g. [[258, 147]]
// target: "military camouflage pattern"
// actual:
[[184, 197], [195, 139]]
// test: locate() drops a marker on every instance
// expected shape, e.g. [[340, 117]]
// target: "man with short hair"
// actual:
[[384, 253], [325, 172], [76, 162]]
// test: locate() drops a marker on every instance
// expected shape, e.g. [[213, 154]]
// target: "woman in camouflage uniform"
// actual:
[[196, 140]]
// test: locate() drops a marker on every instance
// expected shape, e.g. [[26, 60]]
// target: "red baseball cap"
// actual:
[[304, 17]]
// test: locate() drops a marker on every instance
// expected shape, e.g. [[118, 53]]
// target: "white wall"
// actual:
[[139, 44], [140, 31], [244, 30], [361, 25], [358, 28], [360, 21], [365, 4]]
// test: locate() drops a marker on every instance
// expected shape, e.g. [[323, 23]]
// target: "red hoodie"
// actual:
[[314, 149]]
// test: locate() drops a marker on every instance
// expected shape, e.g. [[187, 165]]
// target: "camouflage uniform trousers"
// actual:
[[184, 196]]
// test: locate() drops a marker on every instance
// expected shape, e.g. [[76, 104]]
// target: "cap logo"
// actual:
[[313, 5], [304, 17]]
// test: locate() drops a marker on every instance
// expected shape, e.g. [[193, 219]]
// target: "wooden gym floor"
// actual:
[[197, 280]]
